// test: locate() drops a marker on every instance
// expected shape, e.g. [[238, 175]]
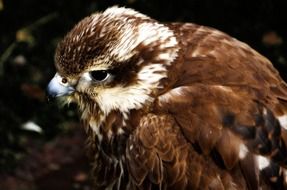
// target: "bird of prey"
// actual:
[[173, 105]]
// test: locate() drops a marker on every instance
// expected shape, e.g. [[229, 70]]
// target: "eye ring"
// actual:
[[99, 75], [64, 80]]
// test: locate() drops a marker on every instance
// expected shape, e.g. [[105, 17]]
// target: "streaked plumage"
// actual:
[[173, 106]]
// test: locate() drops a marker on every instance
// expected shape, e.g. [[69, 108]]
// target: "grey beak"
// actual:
[[56, 88]]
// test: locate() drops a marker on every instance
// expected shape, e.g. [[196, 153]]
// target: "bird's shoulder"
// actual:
[[208, 129], [210, 56]]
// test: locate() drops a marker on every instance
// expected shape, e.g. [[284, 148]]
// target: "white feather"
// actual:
[[283, 121], [263, 162], [242, 151]]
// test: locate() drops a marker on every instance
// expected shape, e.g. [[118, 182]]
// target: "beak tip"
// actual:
[[56, 89]]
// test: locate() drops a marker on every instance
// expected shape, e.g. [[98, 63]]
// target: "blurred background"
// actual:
[[41, 144]]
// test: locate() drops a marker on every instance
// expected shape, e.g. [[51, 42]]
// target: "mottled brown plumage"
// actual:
[[173, 106]]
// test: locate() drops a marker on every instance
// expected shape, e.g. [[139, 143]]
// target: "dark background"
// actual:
[[50, 155]]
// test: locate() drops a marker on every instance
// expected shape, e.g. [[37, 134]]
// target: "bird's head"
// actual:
[[115, 60]]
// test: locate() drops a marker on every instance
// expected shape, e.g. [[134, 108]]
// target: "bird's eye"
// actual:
[[99, 75]]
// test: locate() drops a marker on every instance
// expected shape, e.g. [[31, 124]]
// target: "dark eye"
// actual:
[[99, 75]]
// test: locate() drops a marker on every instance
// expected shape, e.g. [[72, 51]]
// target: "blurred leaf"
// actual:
[[272, 39], [32, 126], [24, 35], [1, 5], [81, 177], [282, 60], [131, 1], [33, 91], [5, 56], [54, 166], [20, 60]]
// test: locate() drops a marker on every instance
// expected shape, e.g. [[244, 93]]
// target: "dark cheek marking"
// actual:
[[125, 73]]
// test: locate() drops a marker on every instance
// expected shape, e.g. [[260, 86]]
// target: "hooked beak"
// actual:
[[57, 88]]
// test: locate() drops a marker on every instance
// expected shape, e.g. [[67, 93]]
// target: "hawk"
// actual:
[[173, 105]]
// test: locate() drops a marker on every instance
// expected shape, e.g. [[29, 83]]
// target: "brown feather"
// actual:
[[188, 107]]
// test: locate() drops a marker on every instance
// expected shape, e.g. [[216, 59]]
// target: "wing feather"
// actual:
[[161, 156], [225, 120]]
